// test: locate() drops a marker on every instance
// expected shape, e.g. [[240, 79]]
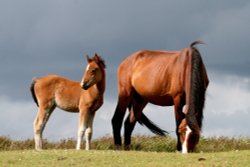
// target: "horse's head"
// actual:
[[94, 72], [188, 138]]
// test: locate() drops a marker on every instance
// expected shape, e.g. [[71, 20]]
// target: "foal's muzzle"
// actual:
[[85, 85]]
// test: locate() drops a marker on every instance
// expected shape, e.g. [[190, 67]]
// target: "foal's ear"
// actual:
[[88, 58], [96, 58]]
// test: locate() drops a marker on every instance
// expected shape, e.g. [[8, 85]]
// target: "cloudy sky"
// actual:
[[53, 36]]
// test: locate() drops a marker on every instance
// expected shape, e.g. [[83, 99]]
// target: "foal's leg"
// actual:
[[89, 131], [179, 116], [39, 124], [85, 127], [83, 117]]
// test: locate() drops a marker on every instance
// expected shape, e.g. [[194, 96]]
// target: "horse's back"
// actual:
[[146, 59], [152, 74]]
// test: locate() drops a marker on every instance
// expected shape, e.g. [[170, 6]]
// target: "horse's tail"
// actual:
[[198, 85], [32, 86], [151, 126]]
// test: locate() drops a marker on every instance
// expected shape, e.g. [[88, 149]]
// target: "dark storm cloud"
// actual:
[[228, 40], [53, 36], [41, 37]]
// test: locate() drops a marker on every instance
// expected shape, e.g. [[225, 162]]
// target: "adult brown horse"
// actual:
[[84, 97], [162, 78]]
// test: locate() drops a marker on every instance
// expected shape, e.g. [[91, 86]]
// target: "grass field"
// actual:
[[97, 158], [145, 151]]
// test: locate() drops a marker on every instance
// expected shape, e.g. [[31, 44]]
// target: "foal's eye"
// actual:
[[93, 71]]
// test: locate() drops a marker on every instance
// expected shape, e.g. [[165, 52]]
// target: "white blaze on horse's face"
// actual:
[[187, 137], [185, 142]]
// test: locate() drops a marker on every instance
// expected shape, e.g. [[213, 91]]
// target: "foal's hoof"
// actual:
[[38, 149], [117, 147], [178, 151]]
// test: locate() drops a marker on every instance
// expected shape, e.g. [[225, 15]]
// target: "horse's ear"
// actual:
[[88, 58]]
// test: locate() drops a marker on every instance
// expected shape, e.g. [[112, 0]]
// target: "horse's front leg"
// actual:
[[179, 116]]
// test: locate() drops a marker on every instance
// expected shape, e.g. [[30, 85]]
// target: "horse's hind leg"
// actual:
[[117, 119], [129, 127], [134, 114], [39, 124]]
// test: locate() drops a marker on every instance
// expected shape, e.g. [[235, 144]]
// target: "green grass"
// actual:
[[26, 158], [145, 151]]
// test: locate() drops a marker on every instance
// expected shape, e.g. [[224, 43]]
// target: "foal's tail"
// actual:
[[151, 126], [198, 85], [32, 86]]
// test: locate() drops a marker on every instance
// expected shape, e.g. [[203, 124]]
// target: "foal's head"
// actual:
[[94, 72], [188, 138]]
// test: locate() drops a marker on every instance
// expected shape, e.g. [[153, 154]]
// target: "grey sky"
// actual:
[[53, 37]]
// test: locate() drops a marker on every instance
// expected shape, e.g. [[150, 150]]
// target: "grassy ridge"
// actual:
[[139, 143]]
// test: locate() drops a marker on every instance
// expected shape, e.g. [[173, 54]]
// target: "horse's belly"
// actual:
[[160, 100], [155, 95]]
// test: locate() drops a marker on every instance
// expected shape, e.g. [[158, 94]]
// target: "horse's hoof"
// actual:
[[126, 147], [117, 147]]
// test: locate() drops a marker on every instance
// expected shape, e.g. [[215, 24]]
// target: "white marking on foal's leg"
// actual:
[[185, 144], [89, 131], [79, 137], [38, 141], [88, 135]]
